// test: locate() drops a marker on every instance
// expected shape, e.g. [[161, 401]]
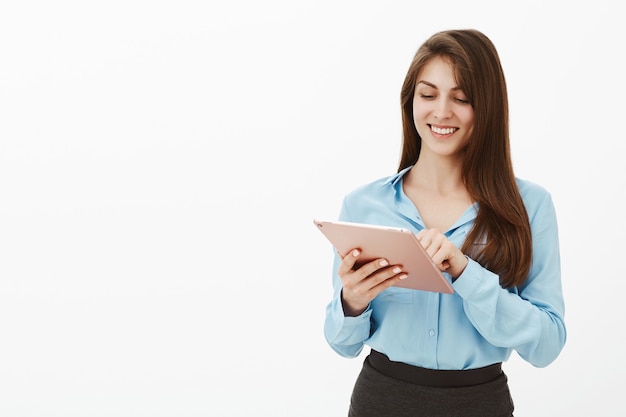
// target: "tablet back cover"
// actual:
[[397, 245]]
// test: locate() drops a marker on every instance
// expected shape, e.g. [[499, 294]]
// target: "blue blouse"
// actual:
[[481, 323]]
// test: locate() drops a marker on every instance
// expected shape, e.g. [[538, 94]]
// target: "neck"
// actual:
[[442, 175]]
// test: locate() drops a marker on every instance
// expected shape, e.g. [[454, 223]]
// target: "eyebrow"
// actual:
[[457, 88]]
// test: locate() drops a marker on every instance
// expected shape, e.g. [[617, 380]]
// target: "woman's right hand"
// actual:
[[362, 285]]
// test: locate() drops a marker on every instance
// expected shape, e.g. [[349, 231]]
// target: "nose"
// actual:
[[443, 109]]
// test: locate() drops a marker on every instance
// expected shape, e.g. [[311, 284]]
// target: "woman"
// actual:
[[494, 235]]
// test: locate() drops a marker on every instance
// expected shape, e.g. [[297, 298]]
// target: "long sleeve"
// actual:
[[345, 335], [529, 320]]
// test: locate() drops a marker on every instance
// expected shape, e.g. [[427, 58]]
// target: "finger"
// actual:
[[427, 236], [436, 246], [349, 260], [358, 284], [360, 288], [371, 267], [389, 273], [422, 237], [432, 242], [441, 260], [442, 256], [389, 282]]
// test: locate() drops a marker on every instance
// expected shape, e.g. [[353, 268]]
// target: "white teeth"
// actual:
[[444, 131]]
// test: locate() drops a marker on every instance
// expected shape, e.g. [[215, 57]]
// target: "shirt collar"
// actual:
[[393, 180], [407, 208]]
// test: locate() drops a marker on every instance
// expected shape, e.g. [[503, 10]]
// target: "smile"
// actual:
[[443, 130]]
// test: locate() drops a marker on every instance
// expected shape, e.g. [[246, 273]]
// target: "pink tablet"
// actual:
[[399, 246]]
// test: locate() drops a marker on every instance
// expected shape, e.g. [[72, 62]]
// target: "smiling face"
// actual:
[[443, 117]]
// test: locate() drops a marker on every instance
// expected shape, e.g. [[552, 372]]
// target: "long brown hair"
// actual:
[[501, 238]]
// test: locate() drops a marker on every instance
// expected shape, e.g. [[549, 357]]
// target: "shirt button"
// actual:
[[431, 332]]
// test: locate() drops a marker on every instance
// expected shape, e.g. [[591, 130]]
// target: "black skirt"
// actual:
[[384, 388]]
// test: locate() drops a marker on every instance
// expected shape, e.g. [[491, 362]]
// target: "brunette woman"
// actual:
[[493, 235]]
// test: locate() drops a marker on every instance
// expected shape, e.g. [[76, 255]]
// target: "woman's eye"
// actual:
[[426, 96], [462, 100]]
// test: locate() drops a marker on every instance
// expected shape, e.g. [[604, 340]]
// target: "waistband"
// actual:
[[433, 377]]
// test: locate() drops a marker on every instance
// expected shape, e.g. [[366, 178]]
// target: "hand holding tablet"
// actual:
[[399, 246]]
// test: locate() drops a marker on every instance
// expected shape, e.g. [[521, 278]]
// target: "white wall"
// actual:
[[161, 163]]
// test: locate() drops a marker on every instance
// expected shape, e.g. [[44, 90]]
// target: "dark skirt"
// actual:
[[378, 395]]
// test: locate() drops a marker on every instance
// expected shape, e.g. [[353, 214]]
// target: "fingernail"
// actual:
[[355, 253], [383, 263], [403, 276], [397, 269]]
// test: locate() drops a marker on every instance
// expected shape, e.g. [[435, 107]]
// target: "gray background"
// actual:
[[161, 163]]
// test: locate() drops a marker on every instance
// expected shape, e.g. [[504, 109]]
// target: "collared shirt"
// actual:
[[481, 323]]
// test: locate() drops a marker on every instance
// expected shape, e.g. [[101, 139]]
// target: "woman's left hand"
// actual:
[[443, 252]]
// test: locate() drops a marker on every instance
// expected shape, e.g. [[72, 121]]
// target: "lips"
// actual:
[[443, 130]]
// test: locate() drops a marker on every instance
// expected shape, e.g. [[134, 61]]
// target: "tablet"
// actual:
[[399, 246]]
